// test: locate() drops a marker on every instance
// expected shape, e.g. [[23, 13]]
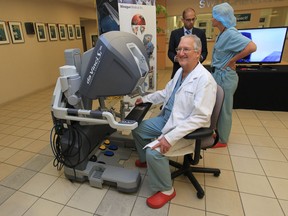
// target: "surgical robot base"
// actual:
[[78, 130]]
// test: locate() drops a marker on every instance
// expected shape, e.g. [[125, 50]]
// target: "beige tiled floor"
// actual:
[[253, 180]]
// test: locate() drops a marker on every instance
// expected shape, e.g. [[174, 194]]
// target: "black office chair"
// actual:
[[204, 138]]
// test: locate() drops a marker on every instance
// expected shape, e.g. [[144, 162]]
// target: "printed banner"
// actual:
[[137, 17]]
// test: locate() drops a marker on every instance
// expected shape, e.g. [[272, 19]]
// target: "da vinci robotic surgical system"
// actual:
[[116, 66]]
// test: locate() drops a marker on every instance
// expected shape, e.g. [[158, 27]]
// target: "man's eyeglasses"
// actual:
[[185, 50], [191, 20]]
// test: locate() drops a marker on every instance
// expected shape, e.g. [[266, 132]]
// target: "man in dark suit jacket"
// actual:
[[188, 19]]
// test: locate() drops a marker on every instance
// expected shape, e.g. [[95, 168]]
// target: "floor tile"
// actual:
[[19, 158], [21, 200], [223, 202], [280, 187], [284, 205], [268, 153], [7, 140], [61, 191], [186, 195], [38, 162], [6, 170], [51, 170], [17, 178], [256, 130], [275, 168], [141, 209], [242, 150], [247, 165], [21, 143], [281, 142], [278, 132], [264, 115], [116, 203], [254, 184], [272, 124], [36, 134], [217, 161], [260, 206], [262, 141], [176, 210], [239, 139], [87, 198], [68, 211], [226, 180], [38, 184], [36, 146], [5, 193], [44, 208]]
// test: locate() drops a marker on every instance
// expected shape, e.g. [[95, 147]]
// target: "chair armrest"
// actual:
[[200, 133]]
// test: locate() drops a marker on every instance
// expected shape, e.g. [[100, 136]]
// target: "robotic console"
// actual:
[[116, 66]]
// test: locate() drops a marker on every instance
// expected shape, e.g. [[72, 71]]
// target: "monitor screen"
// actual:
[[270, 45]]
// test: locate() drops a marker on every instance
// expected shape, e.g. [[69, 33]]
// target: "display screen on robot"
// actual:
[[117, 66]]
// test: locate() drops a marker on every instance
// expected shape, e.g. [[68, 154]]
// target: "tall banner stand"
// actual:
[[137, 17]]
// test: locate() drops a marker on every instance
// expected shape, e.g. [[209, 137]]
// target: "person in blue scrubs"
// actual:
[[230, 46]]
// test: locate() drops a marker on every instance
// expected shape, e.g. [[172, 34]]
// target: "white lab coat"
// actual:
[[193, 106]]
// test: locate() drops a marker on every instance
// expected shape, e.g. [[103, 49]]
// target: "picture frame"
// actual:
[[71, 34], [62, 32], [78, 32], [52, 30], [16, 32], [94, 38], [41, 32], [4, 39]]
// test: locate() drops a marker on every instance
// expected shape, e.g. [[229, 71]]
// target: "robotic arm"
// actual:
[[118, 65]]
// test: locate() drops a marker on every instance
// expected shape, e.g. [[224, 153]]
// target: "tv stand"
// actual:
[[256, 67], [261, 89]]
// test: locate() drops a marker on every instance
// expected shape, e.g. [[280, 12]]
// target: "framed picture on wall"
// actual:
[[16, 32], [94, 38], [62, 31], [78, 31], [71, 35], [41, 31], [3, 33], [52, 30]]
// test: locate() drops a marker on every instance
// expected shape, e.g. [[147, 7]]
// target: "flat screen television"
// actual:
[[270, 45]]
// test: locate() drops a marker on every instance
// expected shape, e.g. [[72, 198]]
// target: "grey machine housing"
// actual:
[[116, 66]]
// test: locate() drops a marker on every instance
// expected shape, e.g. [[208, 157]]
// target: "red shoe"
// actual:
[[159, 199], [219, 145], [138, 163]]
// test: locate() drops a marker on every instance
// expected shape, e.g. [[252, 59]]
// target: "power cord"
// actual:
[[64, 156]]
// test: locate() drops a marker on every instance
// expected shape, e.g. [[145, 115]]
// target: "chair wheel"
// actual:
[[216, 174], [200, 195]]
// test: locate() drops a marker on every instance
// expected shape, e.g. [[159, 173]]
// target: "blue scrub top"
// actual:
[[227, 45]]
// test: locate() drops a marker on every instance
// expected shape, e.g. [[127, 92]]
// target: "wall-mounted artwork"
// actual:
[[52, 30], [78, 31], [16, 32], [3, 33], [62, 31], [94, 38], [71, 35], [41, 31]]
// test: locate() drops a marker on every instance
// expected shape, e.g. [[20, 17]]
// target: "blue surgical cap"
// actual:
[[224, 13]]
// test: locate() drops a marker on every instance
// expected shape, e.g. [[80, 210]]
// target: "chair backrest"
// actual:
[[217, 107], [210, 141]]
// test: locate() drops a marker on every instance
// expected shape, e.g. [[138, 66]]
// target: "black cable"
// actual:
[[63, 156]]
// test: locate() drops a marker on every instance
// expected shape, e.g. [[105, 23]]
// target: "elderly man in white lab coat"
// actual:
[[188, 101]]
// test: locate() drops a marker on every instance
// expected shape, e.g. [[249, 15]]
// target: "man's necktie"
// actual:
[[188, 32]]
